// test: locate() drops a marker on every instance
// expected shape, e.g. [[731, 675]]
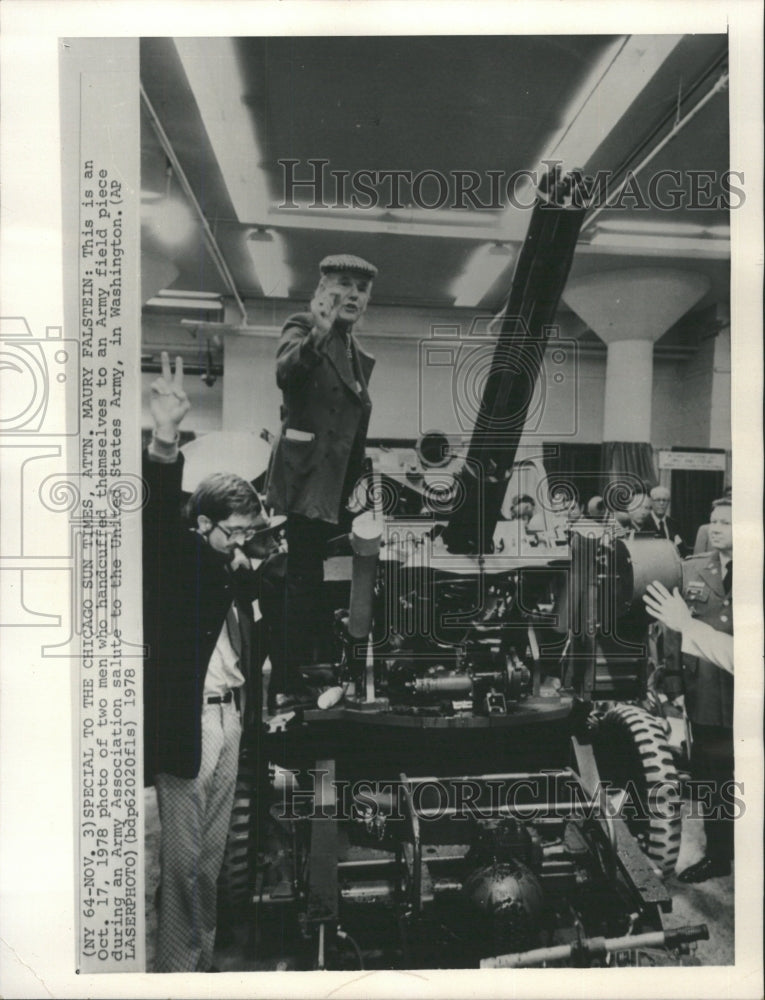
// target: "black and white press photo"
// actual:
[[457, 309], [406, 426]]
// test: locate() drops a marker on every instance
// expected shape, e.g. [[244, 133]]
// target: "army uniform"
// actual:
[[709, 696]]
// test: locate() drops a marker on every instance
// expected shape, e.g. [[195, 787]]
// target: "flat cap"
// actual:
[[347, 262]]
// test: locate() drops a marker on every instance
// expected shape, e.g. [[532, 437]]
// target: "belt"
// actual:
[[223, 699]]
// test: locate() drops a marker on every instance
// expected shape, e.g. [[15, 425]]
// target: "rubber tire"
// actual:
[[631, 746], [235, 883]]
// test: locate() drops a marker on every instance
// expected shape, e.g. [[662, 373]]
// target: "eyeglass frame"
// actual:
[[247, 534]]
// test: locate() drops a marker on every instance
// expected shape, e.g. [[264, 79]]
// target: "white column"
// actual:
[[719, 417], [629, 384], [629, 310]]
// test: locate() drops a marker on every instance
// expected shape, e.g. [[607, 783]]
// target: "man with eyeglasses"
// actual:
[[201, 661], [660, 521]]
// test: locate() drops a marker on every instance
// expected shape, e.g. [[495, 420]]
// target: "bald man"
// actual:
[[659, 520]]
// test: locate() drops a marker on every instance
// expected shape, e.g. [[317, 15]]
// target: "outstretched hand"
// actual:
[[325, 305], [670, 609], [169, 403]]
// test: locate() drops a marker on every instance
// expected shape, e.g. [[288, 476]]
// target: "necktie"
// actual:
[[728, 578], [234, 632]]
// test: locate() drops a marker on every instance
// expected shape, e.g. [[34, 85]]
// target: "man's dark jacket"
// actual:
[[673, 528], [187, 594], [318, 455]]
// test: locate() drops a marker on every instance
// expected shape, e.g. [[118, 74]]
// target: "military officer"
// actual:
[[318, 457], [699, 639], [707, 583]]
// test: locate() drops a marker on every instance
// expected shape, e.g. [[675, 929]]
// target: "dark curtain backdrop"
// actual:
[[574, 468], [627, 466], [692, 494]]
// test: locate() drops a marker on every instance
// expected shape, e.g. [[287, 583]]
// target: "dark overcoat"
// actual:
[[673, 528], [319, 453]]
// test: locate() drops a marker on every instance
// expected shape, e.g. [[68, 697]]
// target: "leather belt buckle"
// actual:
[[221, 699]]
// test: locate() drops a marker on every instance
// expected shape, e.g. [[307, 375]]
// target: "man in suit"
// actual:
[[318, 456], [707, 583], [635, 518], [660, 521], [201, 648]]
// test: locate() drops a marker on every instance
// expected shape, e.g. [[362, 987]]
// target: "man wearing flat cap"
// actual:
[[318, 456]]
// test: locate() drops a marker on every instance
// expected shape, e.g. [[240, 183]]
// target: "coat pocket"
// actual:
[[292, 434], [299, 461], [298, 454]]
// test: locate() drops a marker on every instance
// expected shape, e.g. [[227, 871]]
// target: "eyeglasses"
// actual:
[[245, 534]]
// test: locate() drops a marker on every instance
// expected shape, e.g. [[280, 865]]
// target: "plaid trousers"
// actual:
[[195, 814]]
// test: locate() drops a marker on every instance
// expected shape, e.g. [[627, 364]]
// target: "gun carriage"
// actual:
[[492, 788]]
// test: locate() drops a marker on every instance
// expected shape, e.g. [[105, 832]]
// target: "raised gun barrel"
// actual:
[[366, 536], [525, 325]]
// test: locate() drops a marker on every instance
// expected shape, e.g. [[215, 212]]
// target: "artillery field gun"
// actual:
[[484, 784]]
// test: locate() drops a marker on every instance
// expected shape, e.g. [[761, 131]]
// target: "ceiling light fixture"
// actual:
[[657, 245], [649, 228], [616, 80], [213, 74], [185, 302], [266, 249], [173, 293], [169, 219], [485, 265]]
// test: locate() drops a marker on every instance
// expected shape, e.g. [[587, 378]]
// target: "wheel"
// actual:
[[236, 878], [632, 754]]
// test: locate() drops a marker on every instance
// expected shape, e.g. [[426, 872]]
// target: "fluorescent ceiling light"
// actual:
[[646, 227], [266, 248], [184, 294], [190, 302], [484, 267], [384, 225], [216, 82], [170, 220], [213, 74], [675, 246], [617, 79], [432, 217], [620, 76]]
